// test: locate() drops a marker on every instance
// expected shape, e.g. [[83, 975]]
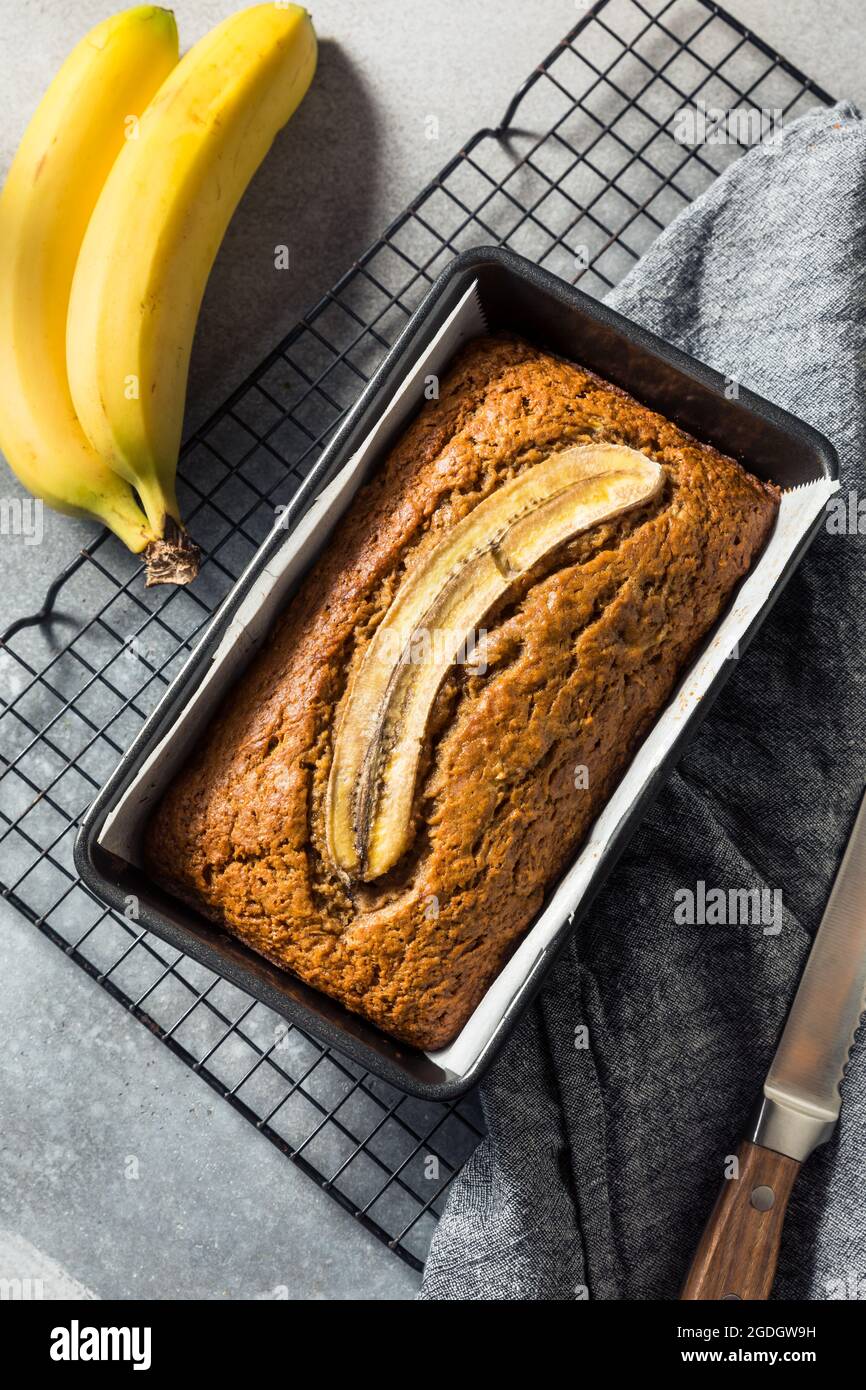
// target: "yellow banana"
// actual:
[[52, 187], [157, 228]]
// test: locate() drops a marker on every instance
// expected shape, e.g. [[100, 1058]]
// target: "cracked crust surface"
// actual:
[[581, 658]]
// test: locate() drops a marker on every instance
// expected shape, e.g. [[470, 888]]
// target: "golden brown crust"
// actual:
[[581, 660]]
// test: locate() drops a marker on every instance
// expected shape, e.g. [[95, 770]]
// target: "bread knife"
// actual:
[[739, 1249]]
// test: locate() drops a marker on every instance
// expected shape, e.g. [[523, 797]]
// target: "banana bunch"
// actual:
[[110, 220]]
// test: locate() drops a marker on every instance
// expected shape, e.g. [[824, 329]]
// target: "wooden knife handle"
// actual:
[[739, 1249]]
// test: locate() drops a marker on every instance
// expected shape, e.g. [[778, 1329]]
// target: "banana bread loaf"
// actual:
[[519, 751]]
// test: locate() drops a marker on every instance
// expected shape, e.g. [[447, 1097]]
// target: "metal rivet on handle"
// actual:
[[762, 1198]]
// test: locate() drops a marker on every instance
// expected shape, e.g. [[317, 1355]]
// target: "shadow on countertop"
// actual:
[[315, 193]]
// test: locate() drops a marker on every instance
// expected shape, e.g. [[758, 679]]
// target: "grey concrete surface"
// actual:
[[215, 1211], [122, 1175]]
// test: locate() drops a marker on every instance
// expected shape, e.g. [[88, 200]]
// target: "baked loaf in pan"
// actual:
[[521, 745]]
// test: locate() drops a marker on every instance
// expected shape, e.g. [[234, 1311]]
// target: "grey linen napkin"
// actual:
[[602, 1162]]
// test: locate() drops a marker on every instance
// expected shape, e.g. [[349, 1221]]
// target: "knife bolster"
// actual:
[[789, 1130]]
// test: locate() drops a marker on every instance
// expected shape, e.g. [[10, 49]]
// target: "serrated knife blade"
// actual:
[[801, 1093]]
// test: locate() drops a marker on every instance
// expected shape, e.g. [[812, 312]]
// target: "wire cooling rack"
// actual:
[[587, 166]]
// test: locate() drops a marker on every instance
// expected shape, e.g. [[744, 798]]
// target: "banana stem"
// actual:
[[119, 511], [158, 503], [173, 558]]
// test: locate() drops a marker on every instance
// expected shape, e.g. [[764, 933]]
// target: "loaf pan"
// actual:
[[496, 288]]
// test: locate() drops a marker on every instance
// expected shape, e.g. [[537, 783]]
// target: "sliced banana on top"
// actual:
[[435, 612]]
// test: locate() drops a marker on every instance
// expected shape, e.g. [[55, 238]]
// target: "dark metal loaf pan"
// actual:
[[516, 296]]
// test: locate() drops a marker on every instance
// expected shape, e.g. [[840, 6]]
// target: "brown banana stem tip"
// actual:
[[173, 559]]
